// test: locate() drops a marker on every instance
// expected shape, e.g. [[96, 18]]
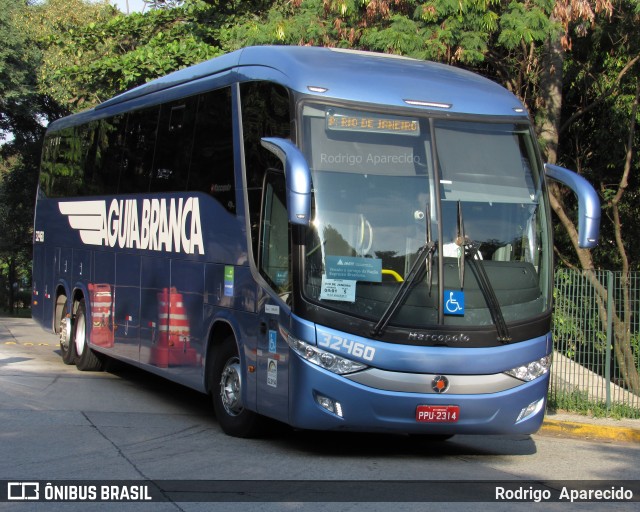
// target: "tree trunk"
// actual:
[[550, 99], [550, 106]]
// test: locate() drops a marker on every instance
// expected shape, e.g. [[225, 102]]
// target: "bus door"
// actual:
[[275, 266]]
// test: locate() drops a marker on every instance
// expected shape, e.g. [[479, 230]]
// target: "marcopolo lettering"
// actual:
[[172, 225], [438, 337]]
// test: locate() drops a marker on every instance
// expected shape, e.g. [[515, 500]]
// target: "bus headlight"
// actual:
[[332, 362], [531, 371]]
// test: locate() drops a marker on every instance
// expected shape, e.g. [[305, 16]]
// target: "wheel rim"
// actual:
[[80, 334], [65, 331], [231, 387]]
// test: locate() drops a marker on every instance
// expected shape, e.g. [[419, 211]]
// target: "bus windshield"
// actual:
[[385, 187]]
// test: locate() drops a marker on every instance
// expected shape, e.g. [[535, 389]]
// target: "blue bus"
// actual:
[[336, 240]]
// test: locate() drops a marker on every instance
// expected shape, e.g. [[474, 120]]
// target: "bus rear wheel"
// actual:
[[226, 392], [86, 358], [65, 333]]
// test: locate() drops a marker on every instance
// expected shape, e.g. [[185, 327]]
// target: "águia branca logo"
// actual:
[[170, 225]]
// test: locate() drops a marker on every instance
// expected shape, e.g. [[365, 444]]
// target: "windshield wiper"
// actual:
[[430, 255], [461, 240], [469, 249], [425, 255]]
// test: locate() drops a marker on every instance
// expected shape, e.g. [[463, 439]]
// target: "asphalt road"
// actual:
[[57, 423]]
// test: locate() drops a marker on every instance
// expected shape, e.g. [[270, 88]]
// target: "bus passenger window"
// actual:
[[108, 161], [62, 172], [92, 140], [212, 169], [47, 167], [139, 148], [173, 149]]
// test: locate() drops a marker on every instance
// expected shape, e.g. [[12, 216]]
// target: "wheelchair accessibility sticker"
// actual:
[[453, 303]]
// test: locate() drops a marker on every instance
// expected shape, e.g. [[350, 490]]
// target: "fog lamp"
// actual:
[[530, 410], [329, 404]]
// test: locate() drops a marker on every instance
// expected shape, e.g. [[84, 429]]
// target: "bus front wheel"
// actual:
[[227, 390]]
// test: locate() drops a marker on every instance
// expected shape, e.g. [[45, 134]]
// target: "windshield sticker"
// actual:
[[453, 303], [281, 278], [354, 269], [338, 289]]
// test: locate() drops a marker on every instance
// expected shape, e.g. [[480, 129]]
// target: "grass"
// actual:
[[578, 402]]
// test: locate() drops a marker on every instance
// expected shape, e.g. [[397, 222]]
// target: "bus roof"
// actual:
[[337, 74]]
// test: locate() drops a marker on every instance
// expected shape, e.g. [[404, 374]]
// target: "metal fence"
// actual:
[[596, 341]]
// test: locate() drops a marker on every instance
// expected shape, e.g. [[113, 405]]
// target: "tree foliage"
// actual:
[[91, 62], [87, 62], [18, 64]]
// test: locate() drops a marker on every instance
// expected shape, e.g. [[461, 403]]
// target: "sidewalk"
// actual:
[[566, 424]]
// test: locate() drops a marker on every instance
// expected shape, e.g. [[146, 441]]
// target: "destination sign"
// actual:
[[355, 121]]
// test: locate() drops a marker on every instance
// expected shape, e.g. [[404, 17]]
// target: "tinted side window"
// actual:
[[173, 148], [185, 144], [92, 184], [63, 165], [139, 147], [212, 170], [109, 151], [266, 112], [47, 167]]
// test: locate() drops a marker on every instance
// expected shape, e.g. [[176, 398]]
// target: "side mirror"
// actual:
[[588, 203], [297, 177]]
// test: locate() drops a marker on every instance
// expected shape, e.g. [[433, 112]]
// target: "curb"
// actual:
[[587, 430]]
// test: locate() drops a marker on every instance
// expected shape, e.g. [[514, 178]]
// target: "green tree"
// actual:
[[599, 137], [101, 56], [18, 64], [21, 109], [17, 194], [502, 40]]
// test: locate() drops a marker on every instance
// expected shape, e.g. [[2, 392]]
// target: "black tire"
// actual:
[[86, 358], [226, 393], [65, 333]]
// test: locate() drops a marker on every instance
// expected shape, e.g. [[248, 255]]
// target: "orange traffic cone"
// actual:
[[101, 315], [172, 347]]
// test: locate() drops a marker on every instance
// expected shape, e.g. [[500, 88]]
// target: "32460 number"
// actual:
[[345, 345]]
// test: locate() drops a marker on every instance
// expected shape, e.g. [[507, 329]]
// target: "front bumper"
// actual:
[[367, 409]]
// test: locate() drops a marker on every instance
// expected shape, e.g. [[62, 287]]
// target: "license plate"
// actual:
[[437, 413]]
